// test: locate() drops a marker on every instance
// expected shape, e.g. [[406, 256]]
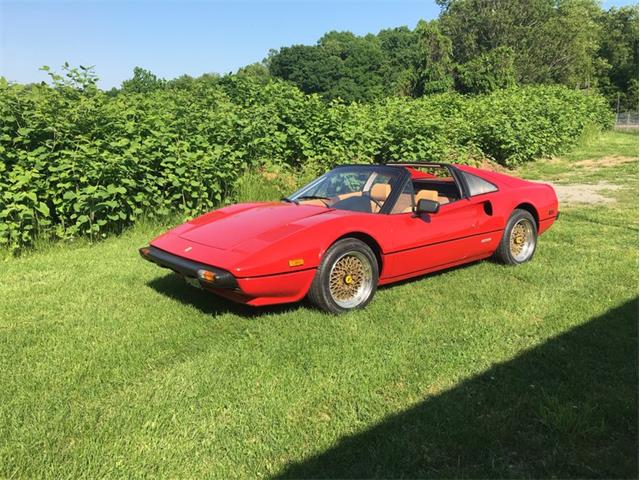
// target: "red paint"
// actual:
[[255, 241], [415, 173]]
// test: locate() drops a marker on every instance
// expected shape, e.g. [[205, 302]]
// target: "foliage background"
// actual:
[[475, 46], [75, 160], [499, 80]]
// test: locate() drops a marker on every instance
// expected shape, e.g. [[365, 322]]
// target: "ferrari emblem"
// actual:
[[188, 249]]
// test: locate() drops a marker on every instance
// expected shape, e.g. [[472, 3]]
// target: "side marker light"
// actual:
[[207, 276]]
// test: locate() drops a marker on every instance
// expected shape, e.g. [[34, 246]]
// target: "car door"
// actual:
[[460, 230]]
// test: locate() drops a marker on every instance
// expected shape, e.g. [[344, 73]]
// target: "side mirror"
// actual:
[[427, 206]]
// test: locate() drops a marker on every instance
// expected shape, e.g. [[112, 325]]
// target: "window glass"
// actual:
[[478, 186], [382, 178], [404, 204], [341, 183], [434, 183], [356, 188]]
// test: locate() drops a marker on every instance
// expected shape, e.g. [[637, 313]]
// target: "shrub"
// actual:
[[517, 125], [77, 161]]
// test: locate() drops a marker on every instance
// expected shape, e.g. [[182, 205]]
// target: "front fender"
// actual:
[[304, 244]]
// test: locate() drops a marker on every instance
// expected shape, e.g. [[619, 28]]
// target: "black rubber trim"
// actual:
[[460, 181], [188, 268]]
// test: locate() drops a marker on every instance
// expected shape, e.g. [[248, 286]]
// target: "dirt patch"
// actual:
[[492, 166], [595, 163], [586, 193]]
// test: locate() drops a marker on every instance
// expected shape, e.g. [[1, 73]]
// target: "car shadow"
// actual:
[[435, 274], [175, 288], [565, 409]]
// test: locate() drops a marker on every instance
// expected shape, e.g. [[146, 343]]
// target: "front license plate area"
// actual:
[[194, 282]]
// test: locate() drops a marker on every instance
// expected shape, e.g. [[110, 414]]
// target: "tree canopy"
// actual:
[[473, 47]]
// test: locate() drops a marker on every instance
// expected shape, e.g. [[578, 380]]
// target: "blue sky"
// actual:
[[175, 37]]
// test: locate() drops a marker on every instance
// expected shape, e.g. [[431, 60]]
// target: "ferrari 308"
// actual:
[[357, 227]]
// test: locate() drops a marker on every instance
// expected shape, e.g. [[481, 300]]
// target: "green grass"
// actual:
[[604, 146], [111, 367]]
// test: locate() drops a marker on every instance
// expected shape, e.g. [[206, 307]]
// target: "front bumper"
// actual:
[[189, 268], [255, 291]]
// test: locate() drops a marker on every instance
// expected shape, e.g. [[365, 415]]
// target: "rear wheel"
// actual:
[[519, 239], [346, 278]]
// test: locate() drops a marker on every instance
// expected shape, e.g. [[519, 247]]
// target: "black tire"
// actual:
[[349, 250], [522, 220]]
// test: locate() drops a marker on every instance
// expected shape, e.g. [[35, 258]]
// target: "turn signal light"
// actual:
[[296, 262], [207, 276]]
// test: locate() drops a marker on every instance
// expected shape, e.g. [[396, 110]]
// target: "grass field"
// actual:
[[110, 367]]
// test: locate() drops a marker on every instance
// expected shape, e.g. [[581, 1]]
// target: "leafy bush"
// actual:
[[77, 161], [517, 125]]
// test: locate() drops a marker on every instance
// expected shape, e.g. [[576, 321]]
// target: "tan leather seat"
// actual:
[[379, 192], [426, 195], [423, 195], [443, 200]]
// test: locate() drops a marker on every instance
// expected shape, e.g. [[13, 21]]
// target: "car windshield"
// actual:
[[357, 188]]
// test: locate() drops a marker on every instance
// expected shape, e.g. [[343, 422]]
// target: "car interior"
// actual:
[[433, 186], [441, 189]]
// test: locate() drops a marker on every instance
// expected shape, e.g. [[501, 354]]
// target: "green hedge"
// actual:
[[78, 161]]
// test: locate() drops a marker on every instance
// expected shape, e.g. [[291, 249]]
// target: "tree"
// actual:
[[475, 46], [554, 41], [143, 81], [618, 76], [311, 68], [363, 66], [256, 70], [434, 68], [398, 46], [487, 72], [183, 82], [342, 65]]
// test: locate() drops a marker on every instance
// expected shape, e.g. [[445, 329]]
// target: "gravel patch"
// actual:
[[586, 193]]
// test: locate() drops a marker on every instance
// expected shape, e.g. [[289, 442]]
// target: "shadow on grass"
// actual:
[[568, 408], [208, 303], [435, 274]]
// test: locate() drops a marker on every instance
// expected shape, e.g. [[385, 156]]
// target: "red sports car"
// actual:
[[354, 228]]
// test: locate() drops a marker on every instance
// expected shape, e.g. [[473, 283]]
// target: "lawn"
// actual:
[[110, 367]]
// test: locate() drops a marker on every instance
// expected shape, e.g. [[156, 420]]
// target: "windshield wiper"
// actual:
[[313, 197], [288, 200]]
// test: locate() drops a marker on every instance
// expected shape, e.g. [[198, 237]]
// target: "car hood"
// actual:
[[229, 227]]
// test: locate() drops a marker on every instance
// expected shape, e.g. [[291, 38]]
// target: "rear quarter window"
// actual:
[[477, 185]]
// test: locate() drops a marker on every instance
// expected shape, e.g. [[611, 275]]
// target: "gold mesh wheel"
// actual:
[[522, 241], [350, 280]]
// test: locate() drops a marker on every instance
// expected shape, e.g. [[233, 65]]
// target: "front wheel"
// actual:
[[519, 239], [346, 278]]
